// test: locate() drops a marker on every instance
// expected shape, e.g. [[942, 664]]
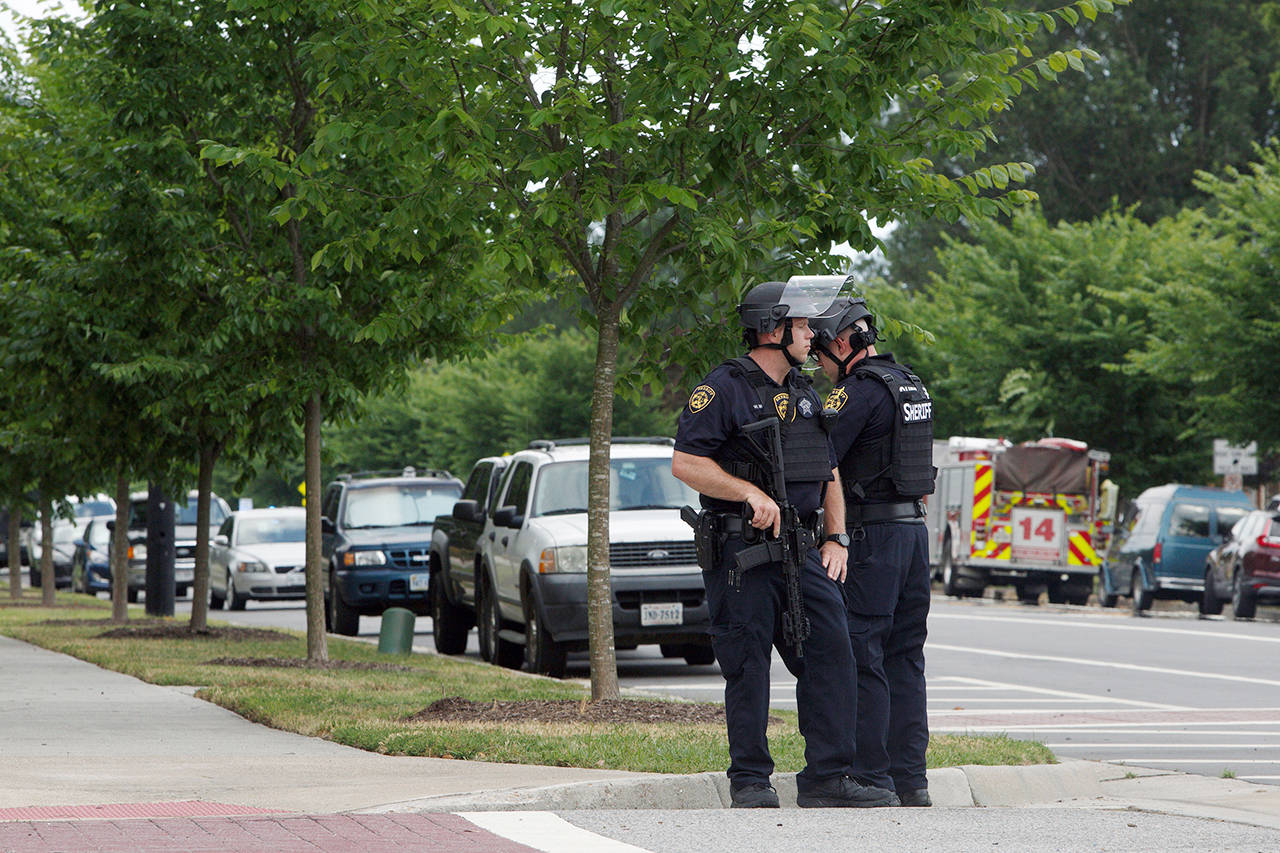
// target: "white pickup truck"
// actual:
[[531, 598]]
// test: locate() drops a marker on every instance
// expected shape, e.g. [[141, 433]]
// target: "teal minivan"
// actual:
[[1160, 545]]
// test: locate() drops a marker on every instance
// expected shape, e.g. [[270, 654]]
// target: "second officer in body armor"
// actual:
[[884, 442], [752, 608]]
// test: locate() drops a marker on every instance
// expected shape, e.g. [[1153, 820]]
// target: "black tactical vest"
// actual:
[[899, 464], [805, 454]]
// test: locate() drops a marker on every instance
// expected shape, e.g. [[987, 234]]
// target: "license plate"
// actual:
[[419, 583], [662, 614]]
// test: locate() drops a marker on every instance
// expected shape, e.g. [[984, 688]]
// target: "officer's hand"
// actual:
[[764, 512], [835, 559]]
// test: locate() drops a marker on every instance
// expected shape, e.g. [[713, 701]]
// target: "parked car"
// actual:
[[1245, 569], [1163, 541], [24, 556], [91, 560], [81, 508], [455, 557], [184, 540], [66, 532], [259, 554], [376, 539], [532, 595]]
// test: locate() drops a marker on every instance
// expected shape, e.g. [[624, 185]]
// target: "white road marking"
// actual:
[[1131, 667], [1022, 701], [1192, 760], [1087, 728], [1251, 776], [545, 831], [1102, 622], [1065, 694]]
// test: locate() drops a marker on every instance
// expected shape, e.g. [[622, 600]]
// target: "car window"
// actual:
[[633, 484], [1273, 529], [475, 488], [517, 493], [1229, 515], [64, 533], [1189, 519], [1240, 528], [399, 504], [187, 514], [99, 537], [225, 529], [329, 506], [271, 529]]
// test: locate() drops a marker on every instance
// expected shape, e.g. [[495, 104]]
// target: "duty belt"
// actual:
[[857, 515], [736, 525]]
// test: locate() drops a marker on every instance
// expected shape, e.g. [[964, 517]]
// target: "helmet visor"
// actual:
[[811, 295]]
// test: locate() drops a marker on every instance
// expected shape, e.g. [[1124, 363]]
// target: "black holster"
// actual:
[[707, 537]]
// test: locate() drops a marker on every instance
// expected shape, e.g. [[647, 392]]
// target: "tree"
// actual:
[[1035, 328], [1184, 86], [653, 151]]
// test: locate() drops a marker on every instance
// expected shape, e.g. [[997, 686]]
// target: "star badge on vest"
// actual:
[[701, 396], [782, 402], [805, 406], [836, 399]]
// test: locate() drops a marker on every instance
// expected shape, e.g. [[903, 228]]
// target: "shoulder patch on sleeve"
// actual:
[[836, 399], [701, 397]]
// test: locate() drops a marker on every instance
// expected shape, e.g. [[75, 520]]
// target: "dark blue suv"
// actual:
[[377, 542]]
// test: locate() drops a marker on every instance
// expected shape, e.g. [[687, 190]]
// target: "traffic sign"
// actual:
[[1229, 459]]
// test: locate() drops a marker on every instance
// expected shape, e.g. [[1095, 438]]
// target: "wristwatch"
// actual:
[[841, 539]]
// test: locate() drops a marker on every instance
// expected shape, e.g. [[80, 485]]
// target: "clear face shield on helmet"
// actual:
[[810, 296]]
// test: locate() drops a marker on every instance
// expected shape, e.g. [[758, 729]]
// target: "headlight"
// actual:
[[137, 551], [565, 559], [250, 566], [364, 558]]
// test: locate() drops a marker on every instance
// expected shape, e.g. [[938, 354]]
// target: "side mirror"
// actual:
[[326, 525], [111, 525], [220, 539], [467, 510], [508, 516]]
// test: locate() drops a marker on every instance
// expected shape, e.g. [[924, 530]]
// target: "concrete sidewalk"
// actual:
[[76, 735]]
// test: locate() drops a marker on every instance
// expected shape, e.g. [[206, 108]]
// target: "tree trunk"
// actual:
[[604, 664], [317, 645], [15, 553], [48, 582], [200, 580], [120, 554]]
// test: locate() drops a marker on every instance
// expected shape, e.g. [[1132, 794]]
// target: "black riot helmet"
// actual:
[[773, 303], [843, 314]]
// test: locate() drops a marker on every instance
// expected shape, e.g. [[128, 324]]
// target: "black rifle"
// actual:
[[794, 540]]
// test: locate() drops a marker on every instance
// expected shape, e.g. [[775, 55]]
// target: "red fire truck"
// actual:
[[1034, 515]]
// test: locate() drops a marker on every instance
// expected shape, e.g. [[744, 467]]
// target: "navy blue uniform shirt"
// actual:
[[717, 410]]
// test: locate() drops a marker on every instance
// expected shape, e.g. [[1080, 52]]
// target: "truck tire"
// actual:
[[671, 650], [493, 648], [1140, 596], [1244, 601], [342, 619], [949, 586], [1210, 604], [450, 623], [1026, 596], [218, 599], [1105, 599], [542, 654]]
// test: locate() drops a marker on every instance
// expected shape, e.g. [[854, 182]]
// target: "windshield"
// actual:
[[633, 484], [275, 528], [88, 508], [399, 505], [99, 537], [181, 514]]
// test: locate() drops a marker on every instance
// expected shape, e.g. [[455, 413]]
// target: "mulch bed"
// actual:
[[455, 708], [182, 631], [37, 602], [302, 663]]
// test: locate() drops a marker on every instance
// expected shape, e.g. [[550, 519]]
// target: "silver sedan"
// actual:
[[258, 554]]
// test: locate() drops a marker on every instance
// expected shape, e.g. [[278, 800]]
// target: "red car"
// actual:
[[1245, 568]]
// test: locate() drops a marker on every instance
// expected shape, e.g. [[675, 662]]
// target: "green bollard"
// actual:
[[396, 636]]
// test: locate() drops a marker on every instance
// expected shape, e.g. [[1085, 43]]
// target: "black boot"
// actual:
[[917, 797], [843, 792], [757, 795]]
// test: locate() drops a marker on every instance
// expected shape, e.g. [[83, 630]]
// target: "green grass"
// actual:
[[1228, 774], [367, 708]]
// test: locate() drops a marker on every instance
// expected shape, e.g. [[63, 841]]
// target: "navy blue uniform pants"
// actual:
[[887, 592], [746, 624]]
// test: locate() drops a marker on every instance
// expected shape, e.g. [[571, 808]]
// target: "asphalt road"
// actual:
[[1169, 690]]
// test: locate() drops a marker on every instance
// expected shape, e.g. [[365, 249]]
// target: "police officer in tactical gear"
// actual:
[[883, 440], [749, 606]]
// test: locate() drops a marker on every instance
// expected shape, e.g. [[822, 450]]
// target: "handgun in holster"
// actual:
[[706, 536]]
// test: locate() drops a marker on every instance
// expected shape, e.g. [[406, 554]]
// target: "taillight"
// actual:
[[1269, 541], [1155, 554]]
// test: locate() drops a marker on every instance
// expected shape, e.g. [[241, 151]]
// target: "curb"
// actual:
[[949, 787]]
